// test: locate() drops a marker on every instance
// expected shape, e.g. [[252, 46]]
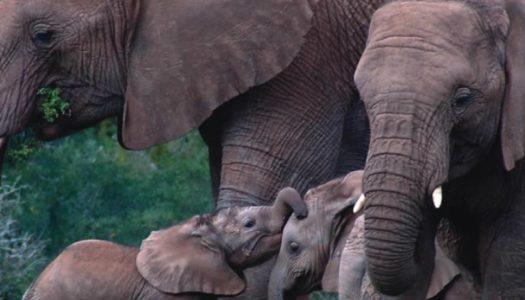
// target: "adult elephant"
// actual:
[[444, 84], [164, 67]]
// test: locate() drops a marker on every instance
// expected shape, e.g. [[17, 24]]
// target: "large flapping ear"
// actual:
[[190, 56], [334, 198], [181, 259], [445, 270], [513, 116]]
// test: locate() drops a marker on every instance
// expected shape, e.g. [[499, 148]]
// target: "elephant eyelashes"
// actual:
[[249, 223], [43, 38], [463, 97]]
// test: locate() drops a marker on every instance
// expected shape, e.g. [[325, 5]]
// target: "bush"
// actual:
[[20, 254]]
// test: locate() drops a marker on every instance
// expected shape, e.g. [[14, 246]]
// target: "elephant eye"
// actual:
[[43, 38], [249, 223], [294, 247], [463, 97]]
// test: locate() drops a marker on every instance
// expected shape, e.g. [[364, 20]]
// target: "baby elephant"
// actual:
[[326, 249], [198, 259]]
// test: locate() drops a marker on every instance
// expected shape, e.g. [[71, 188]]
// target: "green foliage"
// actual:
[[22, 146], [20, 254], [53, 105], [323, 296], [87, 187]]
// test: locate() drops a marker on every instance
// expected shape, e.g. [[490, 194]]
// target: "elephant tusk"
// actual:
[[359, 204], [437, 197]]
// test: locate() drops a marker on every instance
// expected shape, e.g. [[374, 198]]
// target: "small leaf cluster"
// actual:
[[22, 146], [53, 105]]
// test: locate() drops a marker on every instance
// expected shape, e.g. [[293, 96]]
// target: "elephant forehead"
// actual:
[[415, 18], [227, 220], [307, 229]]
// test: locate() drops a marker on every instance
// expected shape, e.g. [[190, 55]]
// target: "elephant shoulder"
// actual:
[[92, 249]]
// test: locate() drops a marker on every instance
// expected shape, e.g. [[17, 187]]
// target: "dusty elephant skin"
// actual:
[[288, 68], [164, 66], [326, 250], [198, 259], [443, 84]]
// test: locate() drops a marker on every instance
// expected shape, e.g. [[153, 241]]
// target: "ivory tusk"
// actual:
[[437, 197], [359, 204]]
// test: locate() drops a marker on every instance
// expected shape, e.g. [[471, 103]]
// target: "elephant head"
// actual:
[[312, 246], [443, 86], [208, 253], [161, 66]]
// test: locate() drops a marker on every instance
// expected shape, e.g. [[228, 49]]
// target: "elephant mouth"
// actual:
[[264, 242], [82, 97], [260, 248], [299, 286]]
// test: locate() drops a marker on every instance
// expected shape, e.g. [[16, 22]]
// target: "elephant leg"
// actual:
[[210, 132], [502, 251]]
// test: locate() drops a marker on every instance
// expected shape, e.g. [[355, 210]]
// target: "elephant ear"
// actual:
[[330, 281], [183, 259], [338, 211], [512, 129], [445, 270], [190, 56]]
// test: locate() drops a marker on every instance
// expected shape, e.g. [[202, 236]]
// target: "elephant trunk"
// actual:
[[406, 162], [391, 238], [275, 291], [279, 283], [288, 201]]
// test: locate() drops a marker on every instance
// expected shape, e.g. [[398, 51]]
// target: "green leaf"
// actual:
[[53, 105]]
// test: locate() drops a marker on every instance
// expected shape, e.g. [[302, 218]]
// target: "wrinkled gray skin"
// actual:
[[286, 105], [327, 250], [200, 258], [442, 83], [280, 129]]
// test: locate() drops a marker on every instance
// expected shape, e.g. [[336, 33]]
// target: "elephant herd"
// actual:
[[426, 96]]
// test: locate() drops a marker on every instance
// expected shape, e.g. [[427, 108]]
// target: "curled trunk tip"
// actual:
[[288, 200]]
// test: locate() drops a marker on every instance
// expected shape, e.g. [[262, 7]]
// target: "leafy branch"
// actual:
[[53, 105]]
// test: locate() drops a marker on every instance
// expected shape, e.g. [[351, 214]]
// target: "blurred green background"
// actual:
[[86, 186]]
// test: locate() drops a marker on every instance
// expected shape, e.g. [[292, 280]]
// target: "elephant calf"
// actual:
[[327, 249], [198, 259]]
